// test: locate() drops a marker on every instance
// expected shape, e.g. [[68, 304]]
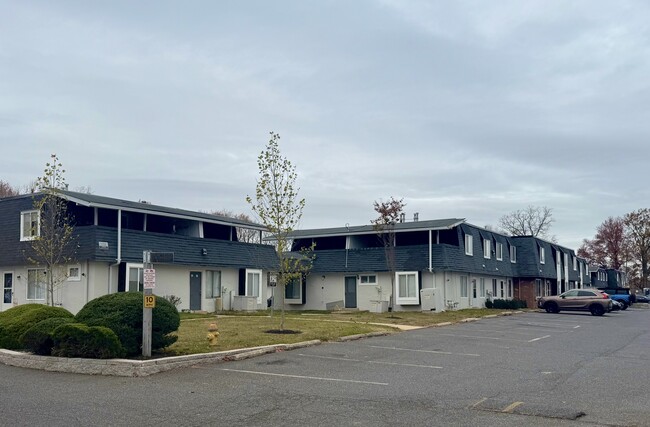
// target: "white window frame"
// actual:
[[38, 271], [26, 235], [513, 254], [469, 245], [463, 287], [127, 285], [481, 285], [210, 283], [74, 277], [368, 280], [487, 248], [542, 255], [499, 250], [407, 300], [261, 285]]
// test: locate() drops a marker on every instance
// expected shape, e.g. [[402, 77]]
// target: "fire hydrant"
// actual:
[[213, 334]]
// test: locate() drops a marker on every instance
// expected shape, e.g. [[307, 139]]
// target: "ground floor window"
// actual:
[[293, 289], [481, 285], [407, 288], [36, 284], [368, 279], [494, 288], [213, 283], [509, 288], [501, 288], [463, 286], [135, 277], [539, 291], [254, 284]]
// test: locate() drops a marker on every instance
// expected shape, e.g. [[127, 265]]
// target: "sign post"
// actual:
[[149, 276]]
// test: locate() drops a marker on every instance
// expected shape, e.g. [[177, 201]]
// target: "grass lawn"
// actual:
[[241, 330]]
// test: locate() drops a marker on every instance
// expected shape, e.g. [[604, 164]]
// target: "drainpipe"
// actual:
[[118, 261]]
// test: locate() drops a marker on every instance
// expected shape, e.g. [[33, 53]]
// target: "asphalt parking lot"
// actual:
[[532, 368]]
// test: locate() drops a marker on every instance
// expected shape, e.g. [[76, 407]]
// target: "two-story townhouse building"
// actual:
[[466, 264], [200, 258], [599, 277]]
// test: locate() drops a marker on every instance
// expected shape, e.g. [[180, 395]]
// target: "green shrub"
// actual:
[[489, 303], [79, 340], [16, 321], [38, 338], [503, 304], [122, 313]]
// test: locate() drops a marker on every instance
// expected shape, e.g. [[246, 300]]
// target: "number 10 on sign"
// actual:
[[149, 301]]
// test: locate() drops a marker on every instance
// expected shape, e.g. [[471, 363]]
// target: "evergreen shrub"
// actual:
[[79, 340], [38, 338], [17, 320]]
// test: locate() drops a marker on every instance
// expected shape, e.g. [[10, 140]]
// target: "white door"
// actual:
[[7, 291]]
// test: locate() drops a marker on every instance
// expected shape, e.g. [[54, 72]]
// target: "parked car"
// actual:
[[591, 300], [622, 295], [617, 305], [642, 298]]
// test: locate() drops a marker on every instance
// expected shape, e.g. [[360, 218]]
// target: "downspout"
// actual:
[[87, 279], [433, 277], [118, 261]]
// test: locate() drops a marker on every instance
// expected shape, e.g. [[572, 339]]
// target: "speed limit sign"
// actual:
[[149, 301]]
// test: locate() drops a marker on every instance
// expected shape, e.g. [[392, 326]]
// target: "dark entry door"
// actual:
[[350, 291], [195, 290]]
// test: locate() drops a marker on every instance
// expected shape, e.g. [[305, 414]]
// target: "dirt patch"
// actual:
[[282, 331]]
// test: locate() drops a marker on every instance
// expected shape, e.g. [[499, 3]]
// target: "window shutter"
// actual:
[[242, 281], [304, 289]]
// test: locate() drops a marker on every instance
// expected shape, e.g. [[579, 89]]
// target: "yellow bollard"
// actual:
[[213, 334]]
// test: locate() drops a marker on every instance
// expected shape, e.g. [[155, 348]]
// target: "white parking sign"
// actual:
[[149, 278]]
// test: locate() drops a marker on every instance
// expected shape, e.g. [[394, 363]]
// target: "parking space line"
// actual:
[[347, 359], [303, 377], [540, 338], [508, 409], [482, 338], [508, 331], [426, 351]]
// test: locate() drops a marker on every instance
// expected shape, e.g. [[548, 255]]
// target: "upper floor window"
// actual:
[[30, 225], [513, 253], [542, 256], [499, 251], [487, 248], [469, 244]]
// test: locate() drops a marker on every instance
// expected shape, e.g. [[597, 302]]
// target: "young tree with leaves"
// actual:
[[388, 215], [54, 243], [278, 207]]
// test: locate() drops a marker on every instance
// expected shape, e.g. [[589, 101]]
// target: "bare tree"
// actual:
[[388, 215], [531, 221], [278, 207], [609, 246], [54, 243], [244, 234], [638, 231], [6, 190]]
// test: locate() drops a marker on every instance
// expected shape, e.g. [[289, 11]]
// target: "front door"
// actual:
[[350, 291], [7, 291], [195, 290]]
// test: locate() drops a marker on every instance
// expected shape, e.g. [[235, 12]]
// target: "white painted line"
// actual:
[[504, 331], [482, 338], [540, 338], [303, 377], [425, 351], [576, 327], [347, 359]]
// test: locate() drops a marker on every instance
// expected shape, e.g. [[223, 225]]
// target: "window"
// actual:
[[538, 288], [254, 284], [481, 285], [407, 288], [542, 257], [213, 283], [499, 251], [575, 263], [368, 279], [135, 278], [509, 288], [487, 248], [8, 285], [74, 273], [513, 253], [494, 288], [30, 225], [502, 294], [293, 289], [36, 284], [469, 244], [463, 286]]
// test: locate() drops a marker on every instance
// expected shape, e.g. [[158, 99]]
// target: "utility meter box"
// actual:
[[431, 300]]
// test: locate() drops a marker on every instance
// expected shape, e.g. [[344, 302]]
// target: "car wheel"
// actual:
[[597, 310], [551, 307]]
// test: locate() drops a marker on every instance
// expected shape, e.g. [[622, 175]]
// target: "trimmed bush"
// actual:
[[489, 303], [122, 313], [38, 338], [79, 340], [16, 321], [503, 304]]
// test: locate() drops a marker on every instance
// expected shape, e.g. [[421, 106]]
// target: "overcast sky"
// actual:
[[466, 109]]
